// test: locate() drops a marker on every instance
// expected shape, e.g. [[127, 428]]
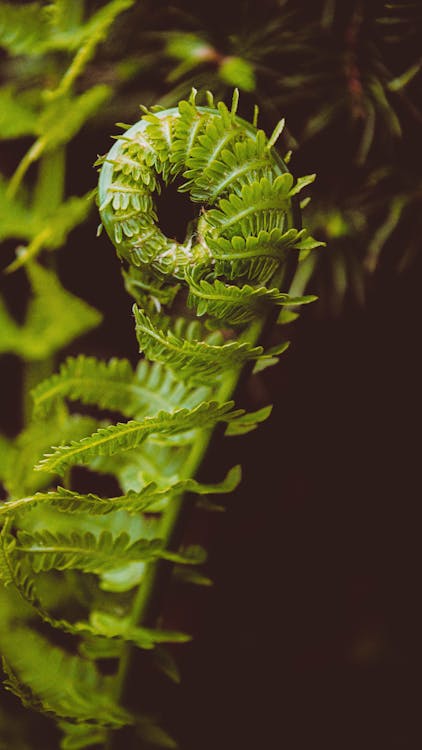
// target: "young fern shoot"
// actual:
[[200, 309]]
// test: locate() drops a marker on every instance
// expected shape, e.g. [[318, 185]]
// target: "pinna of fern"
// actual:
[[200, 310]]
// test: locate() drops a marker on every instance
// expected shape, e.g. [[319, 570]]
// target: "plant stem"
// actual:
[[147, 602]]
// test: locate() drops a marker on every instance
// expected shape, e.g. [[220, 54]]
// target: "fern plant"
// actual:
[[95, 568]]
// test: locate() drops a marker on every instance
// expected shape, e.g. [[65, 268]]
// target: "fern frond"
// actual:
[[17, 113], [149, 292], [15, 571], [68, 501], [160, 133], [23, 29], [19, 477], [114, 385], [239, 161], [187, 129], [86, 40], [47, 550], [221, 130], [198, 361], [79, 736], [55, 317], [144, 464], [111, 626], [7, 542], [80, 695], [256, 257], [109, 385], [63, 119], [233, 304], [261, 206], [124, 436], [16, 218]]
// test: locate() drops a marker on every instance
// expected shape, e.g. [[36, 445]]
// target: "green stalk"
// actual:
[[149, 595]]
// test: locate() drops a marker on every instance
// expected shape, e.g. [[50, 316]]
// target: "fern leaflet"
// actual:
[[124, 436]]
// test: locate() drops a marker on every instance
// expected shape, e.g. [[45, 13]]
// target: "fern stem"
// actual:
[[148, 600]]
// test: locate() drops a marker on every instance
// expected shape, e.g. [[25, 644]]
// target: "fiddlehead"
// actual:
[[201, 305], [248, 215]]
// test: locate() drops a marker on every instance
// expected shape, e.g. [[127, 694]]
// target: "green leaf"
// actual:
[[85, 39], [23, 28], [256, 256], [63, 119], [114, 385], [55, 317], [112, 627], [151, 734], [16, 219], [78, 736], [81, 694], [19, 477], [248, 422], [47, 550], [34, 29], [194, 361], [124, 436], [17, 114], [68, 501], [235, 305], [235, 71]]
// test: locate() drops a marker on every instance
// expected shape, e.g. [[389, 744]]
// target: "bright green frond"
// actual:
[[81, 694], [47, 550], [124, 436], [114, 385], [233, 304], [195, 361], [68, 501]]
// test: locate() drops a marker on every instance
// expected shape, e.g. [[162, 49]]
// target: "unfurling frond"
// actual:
[[233, 304], [195, 361], [124, 436]]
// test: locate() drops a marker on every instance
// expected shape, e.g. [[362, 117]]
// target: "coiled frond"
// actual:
[[233, 304], [228, 272], [228, 165]]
